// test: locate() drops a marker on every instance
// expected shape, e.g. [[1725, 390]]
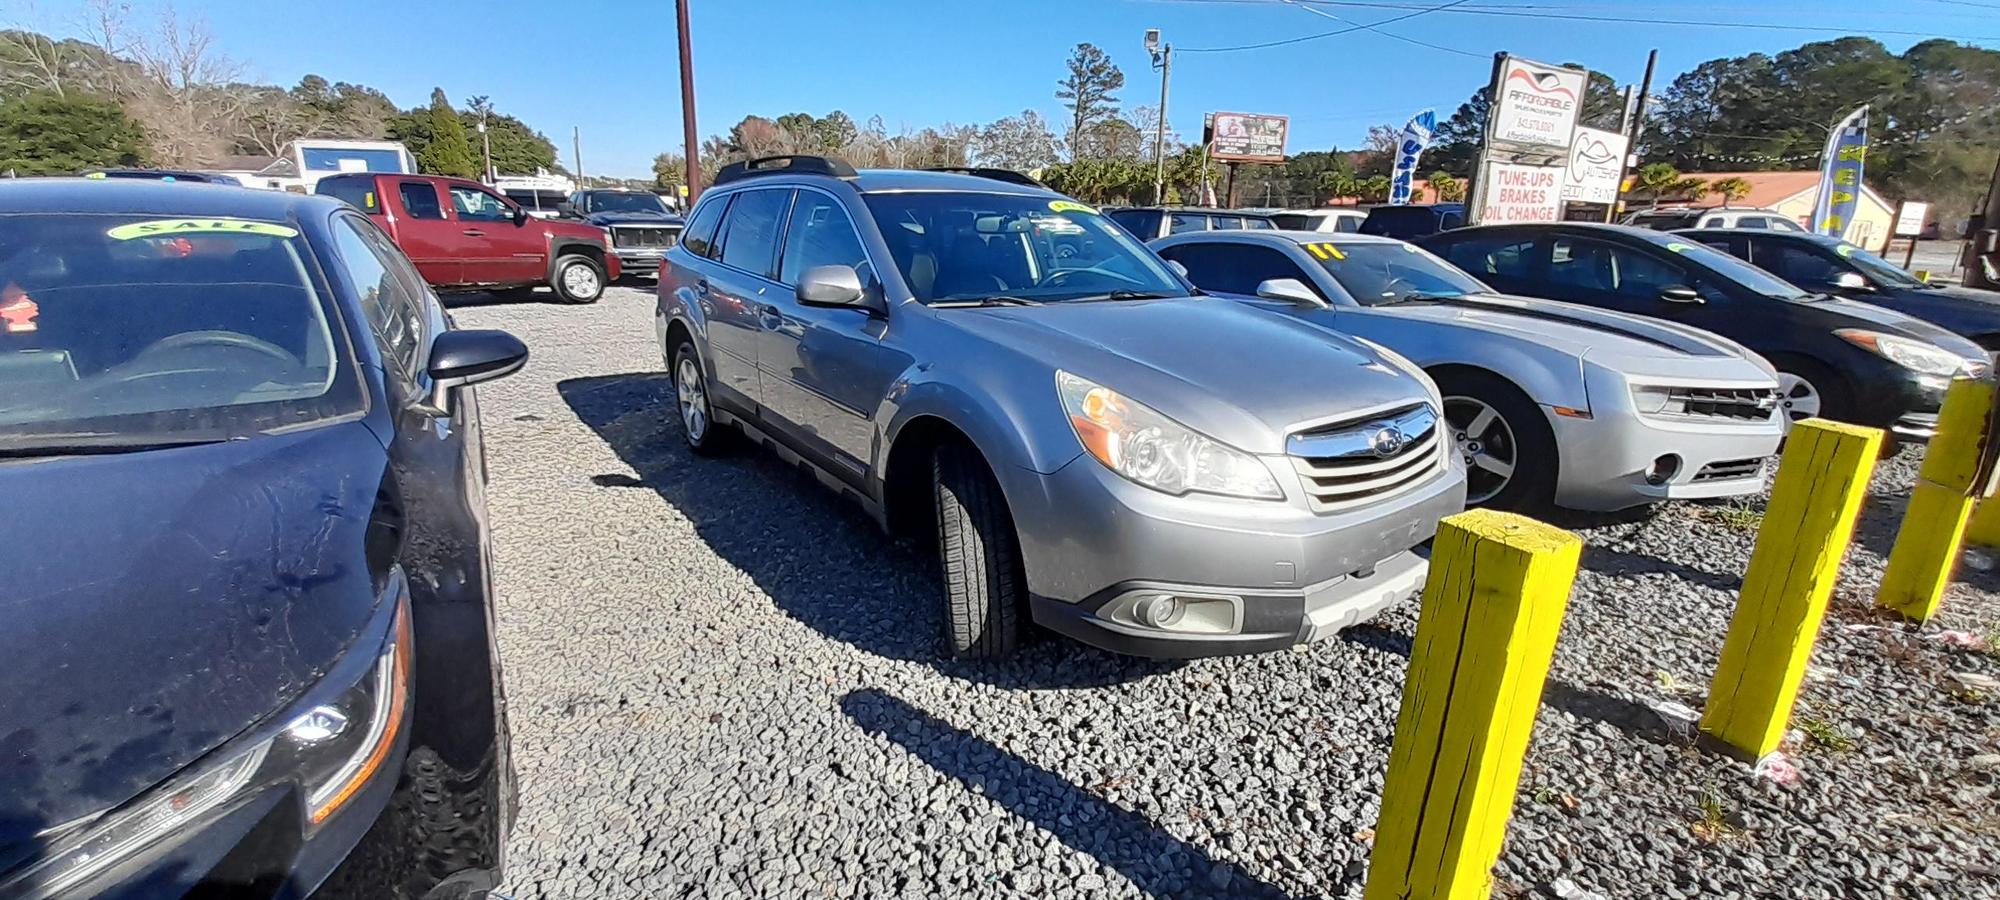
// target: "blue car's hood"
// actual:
[[157, 603]]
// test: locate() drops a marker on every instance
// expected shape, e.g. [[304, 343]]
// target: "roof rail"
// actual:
[[794, 164], [1007, 175]]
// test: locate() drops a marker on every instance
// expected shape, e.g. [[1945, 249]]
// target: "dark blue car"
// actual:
[[1832, 266], [248, 609]]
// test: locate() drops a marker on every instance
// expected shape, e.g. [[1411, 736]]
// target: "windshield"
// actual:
[[139, 330], [966, 246], [536, 200], [624, 201], [1736, 270], [1374, 274], [1880, 269]]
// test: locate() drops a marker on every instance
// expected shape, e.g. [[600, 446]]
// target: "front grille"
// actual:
[[1350, 464], [1742, 404], [644, 237], [1728, 469]]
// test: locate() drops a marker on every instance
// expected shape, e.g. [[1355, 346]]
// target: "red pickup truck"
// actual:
[[464, 235]]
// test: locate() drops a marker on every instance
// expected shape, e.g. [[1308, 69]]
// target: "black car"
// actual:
[[1829, 265], [1149, 222], [641, 225], [248, 614], [1411, 221], [1845, 360]]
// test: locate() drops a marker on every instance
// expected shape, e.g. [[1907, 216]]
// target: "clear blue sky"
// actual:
[[608, 66]]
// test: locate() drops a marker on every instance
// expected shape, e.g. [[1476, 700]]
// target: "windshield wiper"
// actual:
[[1427, 295], [76, 445], [1123, 294], [975, 302]]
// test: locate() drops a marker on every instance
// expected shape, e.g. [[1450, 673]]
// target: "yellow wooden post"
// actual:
[[1492, 605], [1934, 524], [1815, 499], [1984, 529]]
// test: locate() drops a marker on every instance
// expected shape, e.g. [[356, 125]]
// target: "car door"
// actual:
[[426, 236], [827, 369], [737, 295], [498, 248]]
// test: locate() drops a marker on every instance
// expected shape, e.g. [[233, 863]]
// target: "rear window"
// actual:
[[358, 192], [121, 329]]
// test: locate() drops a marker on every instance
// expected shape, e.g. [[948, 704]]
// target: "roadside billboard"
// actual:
[[1518, 193], [1596, 161], [1535, 106], [1248, 137]]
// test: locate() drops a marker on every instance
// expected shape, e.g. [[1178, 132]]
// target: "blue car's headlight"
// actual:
[[329, 747]]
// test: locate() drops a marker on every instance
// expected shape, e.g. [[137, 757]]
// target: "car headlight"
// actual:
[[1917, 356], [1144, 446], [328, 746]]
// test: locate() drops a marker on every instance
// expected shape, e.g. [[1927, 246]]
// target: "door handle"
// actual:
[[772, 316], [701, 287], [474, 232]]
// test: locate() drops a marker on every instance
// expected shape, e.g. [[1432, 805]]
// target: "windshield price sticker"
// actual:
[[1325, 251], [1844, 250], [1069, 206], [1678, 247], [165, 227]]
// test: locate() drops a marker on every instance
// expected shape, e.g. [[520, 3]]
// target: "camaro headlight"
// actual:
[[1133, 440], [1917, 356], [329, 747]]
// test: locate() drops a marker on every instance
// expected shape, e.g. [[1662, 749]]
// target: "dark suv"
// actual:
[[1149, 222], [641, 225], [1095, 446], [463, 235]]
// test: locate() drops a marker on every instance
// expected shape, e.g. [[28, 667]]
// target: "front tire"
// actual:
[[578, 279], [984, 586], [1507, 444]]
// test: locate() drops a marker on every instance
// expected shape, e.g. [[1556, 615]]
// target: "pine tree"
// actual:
[[448, 152]]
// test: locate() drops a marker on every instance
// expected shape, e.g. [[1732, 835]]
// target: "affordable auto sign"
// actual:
[[1536, 105]]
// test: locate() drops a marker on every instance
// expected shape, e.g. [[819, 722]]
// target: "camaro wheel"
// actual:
[[984, 588], [698, 426], [1508, 448], [578, 279]]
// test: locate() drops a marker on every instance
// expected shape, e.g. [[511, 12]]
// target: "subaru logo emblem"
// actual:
[[1386, 443]]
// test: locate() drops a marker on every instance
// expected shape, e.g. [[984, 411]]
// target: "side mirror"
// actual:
[[1680, 293], [1850, 281], [1290, 290], [1179, 269], [469, 357], [832, 286], [520, 215], [566, 208]]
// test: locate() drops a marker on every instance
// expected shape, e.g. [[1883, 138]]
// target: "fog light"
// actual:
[[1160, 610], [1663, 469]]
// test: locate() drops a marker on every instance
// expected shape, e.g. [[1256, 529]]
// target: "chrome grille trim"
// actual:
[[644, 236], [1339, 466], [1740, 404]]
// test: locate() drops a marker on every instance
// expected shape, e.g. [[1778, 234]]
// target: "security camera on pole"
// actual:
[[1163, 59], [1530, 129]]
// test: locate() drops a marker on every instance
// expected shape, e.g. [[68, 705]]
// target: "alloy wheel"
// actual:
[[580, 280], [1486, 442], [693, 399], [1798, 396]]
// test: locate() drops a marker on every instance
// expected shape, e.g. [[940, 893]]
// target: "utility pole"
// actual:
[[486, 144], [691, 147], [1635, 129], [576, 144], [1163, 59], [1982, 251]]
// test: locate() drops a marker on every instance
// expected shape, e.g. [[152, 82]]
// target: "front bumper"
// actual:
[[639, 261], [1275, 573], [1604, 460]]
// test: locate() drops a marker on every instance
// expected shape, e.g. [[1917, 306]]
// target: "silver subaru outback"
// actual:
[[1095, 447]]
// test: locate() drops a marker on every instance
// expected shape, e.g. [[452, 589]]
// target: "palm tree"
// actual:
[[1656, 179], [1732, 189], [1449, 189], [1690, 188]]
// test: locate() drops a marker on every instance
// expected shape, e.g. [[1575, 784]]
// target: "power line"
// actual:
[[1969, 3], [1409, 40], [1541, 11], [1323, 34]]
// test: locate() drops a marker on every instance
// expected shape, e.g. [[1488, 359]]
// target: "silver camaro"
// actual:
[[1548, 402]]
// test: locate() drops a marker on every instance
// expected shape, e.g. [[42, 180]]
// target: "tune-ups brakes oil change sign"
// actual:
[[174, 227]]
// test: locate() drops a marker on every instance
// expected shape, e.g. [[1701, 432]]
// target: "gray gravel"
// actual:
[[724, 682]]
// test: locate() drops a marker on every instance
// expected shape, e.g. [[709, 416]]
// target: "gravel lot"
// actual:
[[724, 682]]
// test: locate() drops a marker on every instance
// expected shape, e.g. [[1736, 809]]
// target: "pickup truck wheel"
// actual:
[[579, 279], [980, 555], [703, 434], [1506, 442]]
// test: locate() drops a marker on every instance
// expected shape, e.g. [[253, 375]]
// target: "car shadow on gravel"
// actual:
[[818, 556], [1124, 840]]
